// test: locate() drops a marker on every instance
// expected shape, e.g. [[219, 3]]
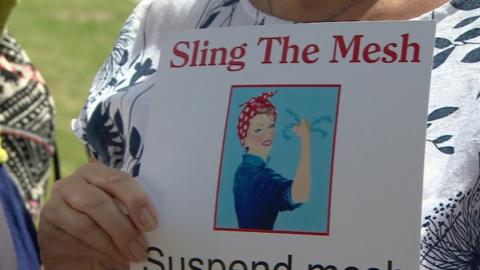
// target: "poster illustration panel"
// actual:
[[277, 161]]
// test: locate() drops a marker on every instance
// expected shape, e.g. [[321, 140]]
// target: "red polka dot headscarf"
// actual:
[[251, 108]]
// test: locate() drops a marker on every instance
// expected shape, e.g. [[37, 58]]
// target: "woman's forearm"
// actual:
[[302, 183]]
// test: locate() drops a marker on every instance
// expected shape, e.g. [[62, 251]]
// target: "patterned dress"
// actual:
[[114, 118], [26, 123]]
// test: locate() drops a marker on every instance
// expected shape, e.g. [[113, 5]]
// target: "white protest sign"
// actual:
[[289, 147]]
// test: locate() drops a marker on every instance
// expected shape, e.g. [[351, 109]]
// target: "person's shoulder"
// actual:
[[172, 13]]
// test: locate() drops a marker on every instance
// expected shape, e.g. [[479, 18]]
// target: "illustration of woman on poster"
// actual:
[[259, 192]]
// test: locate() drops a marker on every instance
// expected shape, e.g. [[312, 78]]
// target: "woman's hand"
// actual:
[[302, 129], [94, 220]]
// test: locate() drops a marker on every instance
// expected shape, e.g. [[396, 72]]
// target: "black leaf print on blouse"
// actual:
[[103, 134], [465, 39], [262, 22], [465, 4], [467, 21], [113, 82], [124, 59], [449, 150], [441, 113], [229, 3], [442, 139], [136, 170], [142, 69], [218, 12], [135, 60], [441, 57], [437, 115], [451, 238], [470, 34], [136, 151], [210, 19], [118, 121], [135, 142], [117, 58], [442, 43], [472, 57]]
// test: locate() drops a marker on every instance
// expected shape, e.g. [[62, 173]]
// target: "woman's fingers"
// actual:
[[126, 190], [82, 227], [95, 217], [69, 252], [98, 209], [303, 128]]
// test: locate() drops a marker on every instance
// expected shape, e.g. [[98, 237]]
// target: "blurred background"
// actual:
[[68, 40]]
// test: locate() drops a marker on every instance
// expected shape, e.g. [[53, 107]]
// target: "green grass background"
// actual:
[[68, 40]]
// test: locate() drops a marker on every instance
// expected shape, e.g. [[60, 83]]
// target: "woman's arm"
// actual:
[[302, 183], [6, 7]]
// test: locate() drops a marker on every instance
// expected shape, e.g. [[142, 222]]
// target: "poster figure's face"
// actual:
[[260, 134]]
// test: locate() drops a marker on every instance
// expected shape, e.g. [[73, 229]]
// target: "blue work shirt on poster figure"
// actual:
[[260, 194]]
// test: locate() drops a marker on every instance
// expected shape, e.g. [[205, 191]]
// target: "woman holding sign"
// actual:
[[111, 238]]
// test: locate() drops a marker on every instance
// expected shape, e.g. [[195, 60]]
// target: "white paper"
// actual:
[[375, 141]]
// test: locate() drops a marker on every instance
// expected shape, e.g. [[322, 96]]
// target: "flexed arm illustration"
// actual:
[[303, 177]]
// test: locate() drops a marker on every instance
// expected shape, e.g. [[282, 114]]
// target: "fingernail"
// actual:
[[148, 220], [138, 249]]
